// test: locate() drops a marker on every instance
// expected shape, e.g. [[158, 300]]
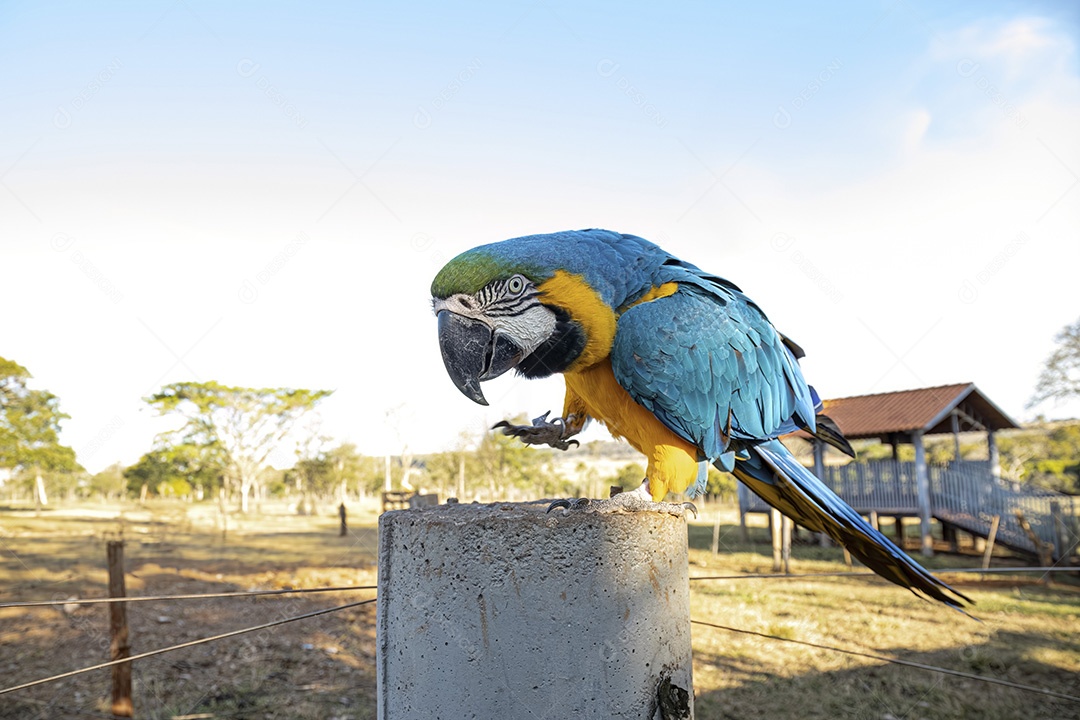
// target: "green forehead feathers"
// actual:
[[471, 271]]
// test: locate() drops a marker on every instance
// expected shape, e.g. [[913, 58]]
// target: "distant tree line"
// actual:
[[222, 451]]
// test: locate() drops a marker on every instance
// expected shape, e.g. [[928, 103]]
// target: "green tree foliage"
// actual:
[[495, 465], [177, 470], [1047, 456], [110, 483], [1060, 376], [629, 477], [243, 424], [721, 485], [30, 429]]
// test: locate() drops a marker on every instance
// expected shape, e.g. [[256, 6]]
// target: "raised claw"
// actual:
[[555, 432], [692, 508], [565, 504]]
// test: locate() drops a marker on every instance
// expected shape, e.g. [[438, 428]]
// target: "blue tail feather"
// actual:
[[779, 479]]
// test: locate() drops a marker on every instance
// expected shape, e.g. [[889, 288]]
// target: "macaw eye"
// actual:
[[515, 285]]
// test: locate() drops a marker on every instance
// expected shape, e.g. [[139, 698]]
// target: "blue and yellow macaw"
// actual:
[[675, 360]]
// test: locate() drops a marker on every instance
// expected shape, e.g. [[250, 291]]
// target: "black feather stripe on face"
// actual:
[[556, 353]]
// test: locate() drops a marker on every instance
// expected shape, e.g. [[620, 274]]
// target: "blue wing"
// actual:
[[711, 367]]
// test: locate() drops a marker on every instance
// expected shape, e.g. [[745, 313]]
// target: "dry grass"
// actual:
[[318, 668], [1025, 633], [324, 667]]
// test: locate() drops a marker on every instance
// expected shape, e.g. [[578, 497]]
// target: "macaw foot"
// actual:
[[556, 432], [639, 500]]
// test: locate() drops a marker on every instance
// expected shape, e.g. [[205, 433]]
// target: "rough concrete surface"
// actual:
[[503, 611]]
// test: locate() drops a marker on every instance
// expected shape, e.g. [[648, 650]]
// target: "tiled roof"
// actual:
[[905, 411]]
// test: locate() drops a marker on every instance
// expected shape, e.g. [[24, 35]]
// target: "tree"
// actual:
[[30, 429], [176, 469], [1060, 376], [629, 477], [349, 468], [109, 483], [722, 485], [244, 424]]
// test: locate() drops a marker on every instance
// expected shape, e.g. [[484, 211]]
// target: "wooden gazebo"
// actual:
[[906, 416]]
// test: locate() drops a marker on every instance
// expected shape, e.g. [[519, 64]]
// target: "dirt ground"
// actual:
[[317, 668], [323, 667]]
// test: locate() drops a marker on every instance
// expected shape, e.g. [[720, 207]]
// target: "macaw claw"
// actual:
[[568, 505], [556, 432], [692, 508]]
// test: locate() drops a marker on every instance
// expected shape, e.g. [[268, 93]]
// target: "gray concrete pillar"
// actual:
[[502, 611]]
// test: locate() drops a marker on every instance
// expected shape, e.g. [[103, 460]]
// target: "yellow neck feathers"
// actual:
[[573, 294]]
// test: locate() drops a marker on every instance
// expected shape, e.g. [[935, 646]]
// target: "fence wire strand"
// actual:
[[195, 596], [897, 661], [191, 643], [807, 643]]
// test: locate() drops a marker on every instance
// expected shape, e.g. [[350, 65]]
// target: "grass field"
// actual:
[[324, 667]]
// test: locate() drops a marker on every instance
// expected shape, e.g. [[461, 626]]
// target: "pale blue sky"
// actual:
[[260, 195]]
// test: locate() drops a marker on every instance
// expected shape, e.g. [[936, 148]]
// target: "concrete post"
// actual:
[[502, 611]]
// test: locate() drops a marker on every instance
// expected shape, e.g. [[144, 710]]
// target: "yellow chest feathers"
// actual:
[[591, 387]]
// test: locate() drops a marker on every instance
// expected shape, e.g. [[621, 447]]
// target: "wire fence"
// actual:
[[350, 588], [191, 643]]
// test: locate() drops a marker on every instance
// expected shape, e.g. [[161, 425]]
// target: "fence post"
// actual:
[[118, 632], [990, 538], [716, 530], [776, 525], [785, 542], [503, 611]]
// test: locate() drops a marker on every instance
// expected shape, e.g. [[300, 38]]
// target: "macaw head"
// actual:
[[497, 309]]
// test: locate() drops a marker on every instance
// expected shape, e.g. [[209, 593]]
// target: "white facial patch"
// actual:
[[529, 329]]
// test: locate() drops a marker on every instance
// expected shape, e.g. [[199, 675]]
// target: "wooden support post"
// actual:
[[775, 524], [949, 535], [819, 471], [874, 522], [1061, 533], [118, 632], [344, 524], [922, 482], [716, 532], [992, 454], [1044, 550], [847, 558], [785, 543], [744, 532], [990, 541], [956, 436]]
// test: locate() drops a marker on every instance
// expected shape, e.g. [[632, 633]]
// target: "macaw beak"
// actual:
[[472, 352]]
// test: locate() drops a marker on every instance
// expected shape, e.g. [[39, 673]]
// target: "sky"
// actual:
[[260, 194]]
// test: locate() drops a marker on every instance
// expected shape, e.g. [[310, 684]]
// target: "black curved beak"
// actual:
[[471, 352]]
